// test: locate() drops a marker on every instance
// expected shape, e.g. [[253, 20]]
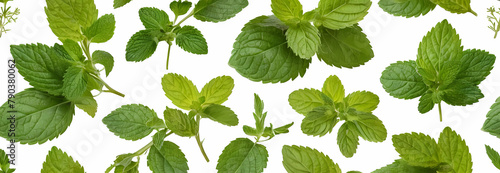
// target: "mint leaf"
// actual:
[[402, 166], [218, 10], [303, 39], [40, 66], [120, 3], [180, 123], [455, 6], [40, 116], [261, 52], [167, 159], [74, 83], [101, 30], [305, 100], [305, 159], [348, 139], [492, 123], [454, 151], [73, 50], [461, 94], [338, 14], [221, 114], [333, 88], [154, 18], [156, 123], [58, 161], [158, 138], [476, 65], [191, 40], [426, 103], [87, 103], [319, 121], [407, 8], [66, 19], [364, 101], [288, 11], [104, 58], [369, 127], [180, 90], [417, 149], [494, 156], [347, 47], [243, 156], [217, 91], [283, 129], [4, 163], [142, 45], [129, 121], [122, 162], [180, 7], [401, 80]]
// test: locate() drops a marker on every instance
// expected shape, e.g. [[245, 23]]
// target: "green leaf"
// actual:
[[243, 156], [369, 127], [156, 123], [364, 101], [407, 8], [492, 123], [221, 114], [282, 129], [441, 45], [250, 131], [180, 90], [288, 11], [347, 47], [258, 106], [67, 18], [305, 100], [104, 58], [455, 6], [180, 123], [305, 159], [218, 90], [454, 151], [462, 93], [167, 159], [417, 149], [348, 139], [101, 30], [158, 138], [218, 10], [426, 103], [5, 163], [142, 45], [122, 162], [303, 39], [73, 50], [154, 18], [401, 80], [40, 66], [180, 7], [40, 116], [475, 66], [494, 156], [58, 161], [319, 121], [338, 14], [129, 121], [333, 88], [402, 166], [87, 103], [74, 82], [261, 52], [120, 3], [191, 40]]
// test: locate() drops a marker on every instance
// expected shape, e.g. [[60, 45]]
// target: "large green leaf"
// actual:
[[242, 156], [218, 10], [130, 121], [407, 8], [180, 90], [462, 93], [67, 18], [417, 149], [475, 66], [167, 159], [454, 151], [338, 14], [305, 100], [305, 159], [401, 80], [57, 161]]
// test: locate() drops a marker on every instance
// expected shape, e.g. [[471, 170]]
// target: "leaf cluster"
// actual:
[[415, 8], [324, 109], [280, 47]]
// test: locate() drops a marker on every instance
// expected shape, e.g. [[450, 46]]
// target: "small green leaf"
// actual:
[[492, 123], [74, 83], [338, 14], [5, 163], [180, 90], [288, 11], [417, 149], [101, 30], [180, 7], [218, 10], [167, 159], [87, 103], [154, 18], [494, 156], [303, 39], [243, 156], [66, 19], [369, 127], [191, 40], [454, 151], [73, 50], [364, 101], [142, 45], [426, 103], [258, 105], [348, 139], [283, 129], [104, 58], [333, 88], [305, 100], [122, 162], [407, 8], [221, 114], [402, 166], [319, 121], [158, 138], [120, 3], [250, 131], [305, 159], [455, 6], [58, 161], [156, 123], [180, 123], [401, 80], [129, 121]]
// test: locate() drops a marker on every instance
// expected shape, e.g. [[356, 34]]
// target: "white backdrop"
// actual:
[[393, 39]]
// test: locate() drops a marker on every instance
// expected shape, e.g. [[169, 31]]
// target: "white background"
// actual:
[[393, 39]]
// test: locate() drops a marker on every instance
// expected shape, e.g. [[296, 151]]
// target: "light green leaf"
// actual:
[[319, 121], [40, 66], [348, 139], [401, 80], [333, 88], [305, 159], [167, 159], [156, 123], [129, 121], [305, 100], [142, 45], [494, 156], [101, 30], [364, 101], [261, 52], [426, 103], [455, 6], [407, 8], [180, 90], [462, 93], [288, 11], [58, 161], [492, 123], [338, 14], [417, 149], [191, 40], [74, 83], [120, 3], [475, 66], [303, 39], [283, 129], [122, 162], [243, 156], [87, 103], [154, 18], [454, 151], [180, 123], [158, 138], [68, 18], [369, 127], [104, 58], [221, 114], [73, 50], [180, 7], [218, 90], [347, 47], [250, 131], [402, 166], [218, 10], [40, 116], [5, 163]]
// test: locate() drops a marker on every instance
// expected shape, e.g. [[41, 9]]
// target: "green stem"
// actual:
[[440, 112], [473, 12], [111, 90], [168, 55], [200, 144], [143, 149], [185, 18]]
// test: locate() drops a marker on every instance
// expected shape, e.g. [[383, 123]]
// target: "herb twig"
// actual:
[[495, 23], [7, 16]]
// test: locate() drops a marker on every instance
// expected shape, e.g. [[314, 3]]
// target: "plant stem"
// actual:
[[168, 55], [111, 90], [185, 18], [440, 112], [148, 146], [200, 144]]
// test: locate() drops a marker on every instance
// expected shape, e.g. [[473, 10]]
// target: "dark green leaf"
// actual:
[[348, 139], [74, 83], [167, 159], [191, 40], [401, 80], [218, 10], [407, 8], [154, 18], [180, 123], [142, 45], [129, 121], [104, 58], [221, 114], [319, 121], [243, 156]]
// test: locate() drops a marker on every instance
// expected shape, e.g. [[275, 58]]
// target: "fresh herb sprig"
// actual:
[[7, 15], [495, 22], [411, 8]]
